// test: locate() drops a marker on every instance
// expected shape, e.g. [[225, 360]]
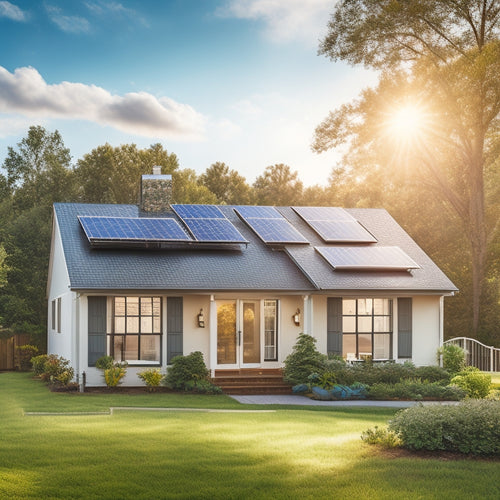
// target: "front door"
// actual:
[[238, 333]]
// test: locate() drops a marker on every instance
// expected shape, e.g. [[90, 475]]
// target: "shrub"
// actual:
[[105, 362], [114, 375], [152, 377], [471, 426], [453, 357], [185, 369], [25, 353], [304, 360], [66, 376], [38, 364], [473, 381], [432, 374], [416, 390], [382, 437], [202, 386]]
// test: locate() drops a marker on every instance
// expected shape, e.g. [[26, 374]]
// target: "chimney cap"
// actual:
[[156, 170]]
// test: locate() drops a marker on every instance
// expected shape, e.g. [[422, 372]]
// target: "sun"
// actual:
[[406, 123]]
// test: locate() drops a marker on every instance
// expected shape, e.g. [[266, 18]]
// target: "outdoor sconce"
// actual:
[[201, 319], [296, 318]]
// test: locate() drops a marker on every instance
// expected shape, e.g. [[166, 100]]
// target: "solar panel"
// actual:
[[270, 226], [132, 229], [208, 224], [335, 225], [198, 212], [214, 231], [371, 258]]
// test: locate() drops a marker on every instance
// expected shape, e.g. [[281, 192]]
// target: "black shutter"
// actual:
[[334, 325], [96, 328], [174, 328], [404, 328]]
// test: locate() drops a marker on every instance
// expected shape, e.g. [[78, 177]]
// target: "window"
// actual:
[[136, 330], [367, 328], [270, 330], [56, 315]]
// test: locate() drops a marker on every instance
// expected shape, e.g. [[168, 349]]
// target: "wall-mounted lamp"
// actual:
[[296, 318], [201, 319]]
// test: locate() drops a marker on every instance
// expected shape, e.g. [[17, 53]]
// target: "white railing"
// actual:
[[486, 358]]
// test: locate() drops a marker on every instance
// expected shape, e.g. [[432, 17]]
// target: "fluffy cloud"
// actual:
[[25, 92], [11, 11], [285, 20]]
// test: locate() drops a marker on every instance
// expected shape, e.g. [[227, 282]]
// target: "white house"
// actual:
[[238, 283]]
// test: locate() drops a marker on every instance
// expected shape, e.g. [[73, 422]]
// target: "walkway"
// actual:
[[305, 401]]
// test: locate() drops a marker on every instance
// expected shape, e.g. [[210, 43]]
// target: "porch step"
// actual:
[[251, 381]]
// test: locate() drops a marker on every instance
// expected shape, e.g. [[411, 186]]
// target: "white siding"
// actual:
[[426, 329]]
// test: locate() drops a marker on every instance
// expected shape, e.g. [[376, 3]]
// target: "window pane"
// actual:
[[156, 306], [365, 345], [381, 306], [270, 330], [382, 324], [348, 306], [146, 306], [348, 324], [156, 325], [364, 323], [132, 324], [120, 325], [132, 306], [349, 346], [119, 306], [365, 306], [147, 324], [118, 348], [150, 348], [382, 346], [131, 348]]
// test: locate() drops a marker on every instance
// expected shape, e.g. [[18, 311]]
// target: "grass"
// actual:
[[302, 452]]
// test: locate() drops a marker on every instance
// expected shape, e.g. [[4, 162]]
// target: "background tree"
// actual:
[[186, 188], [113, 174], [440, 62], [277, 186], [229, 186]]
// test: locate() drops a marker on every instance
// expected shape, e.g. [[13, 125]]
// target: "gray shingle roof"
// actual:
[[251, 268]]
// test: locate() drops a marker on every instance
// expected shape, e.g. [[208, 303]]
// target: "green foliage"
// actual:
[[25, 353], [278, 186], [114, 375], [186, 369], [104, 362], [474, 382], [381, 436], [304, 360], [453, 357], [415, 390], [152, 377], [38, 364], [202, 386], [472, 427]]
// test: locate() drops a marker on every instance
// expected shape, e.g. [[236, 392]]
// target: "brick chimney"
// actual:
[[156, 191]]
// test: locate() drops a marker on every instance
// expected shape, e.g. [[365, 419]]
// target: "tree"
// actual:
[[443, 57], [228, 185], [278, 186], [187, 189], [112, 174]]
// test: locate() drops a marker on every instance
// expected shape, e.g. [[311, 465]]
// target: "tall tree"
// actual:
[[112, 174], [228, 185], [278, 185], [443, 56], [186, 188]]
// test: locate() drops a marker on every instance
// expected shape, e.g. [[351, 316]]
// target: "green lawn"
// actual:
[[290, 453]]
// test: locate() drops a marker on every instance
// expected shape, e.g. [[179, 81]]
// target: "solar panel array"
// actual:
[[269, 225], [335, 225], [369, 258], [207, 224], [134, 229]]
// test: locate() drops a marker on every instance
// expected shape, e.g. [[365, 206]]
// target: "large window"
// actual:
[[136, 330], [367, 328]]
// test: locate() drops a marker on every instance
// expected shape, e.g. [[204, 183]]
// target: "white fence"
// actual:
[[486, 358]]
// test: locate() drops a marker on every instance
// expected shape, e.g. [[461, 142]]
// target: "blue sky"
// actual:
[[237, 81]]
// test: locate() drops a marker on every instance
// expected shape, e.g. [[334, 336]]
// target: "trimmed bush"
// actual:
[[186, 370], [113, 372], [25, 353], [382, 437], [416, 390], [453, 358], [471, 426], [38, 364], [304, 360], [474, 382], [152, 377]]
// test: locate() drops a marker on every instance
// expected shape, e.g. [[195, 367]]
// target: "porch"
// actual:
[[252, 381]]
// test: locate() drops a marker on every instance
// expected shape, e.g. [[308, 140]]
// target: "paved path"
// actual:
[[305, 401]]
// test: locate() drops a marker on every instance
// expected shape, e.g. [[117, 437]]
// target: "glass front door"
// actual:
[[238, 333]]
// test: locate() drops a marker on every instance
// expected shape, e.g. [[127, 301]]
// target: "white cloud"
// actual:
[[14, 125], [26, 92], [12, 11], [247, 107], [69, 24], [285, 20], [103, 8]]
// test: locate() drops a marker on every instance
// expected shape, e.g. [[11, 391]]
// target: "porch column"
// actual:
[[212, 332], [307, 315]]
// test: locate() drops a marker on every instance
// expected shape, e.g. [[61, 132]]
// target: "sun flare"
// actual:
[[406, 122]]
